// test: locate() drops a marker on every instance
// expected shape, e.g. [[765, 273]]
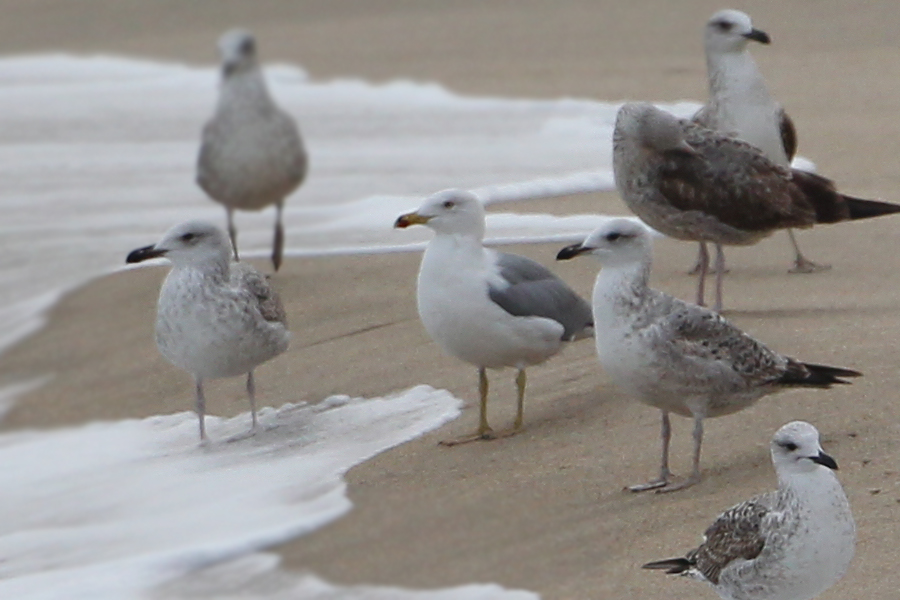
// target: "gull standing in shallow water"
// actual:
[[488, 308], [790, 544], [693, 183], [740, 104], [251, 155], [675, 356], [215, 318]]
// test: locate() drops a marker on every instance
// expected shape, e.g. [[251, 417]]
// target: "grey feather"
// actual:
[[244, 276], [532, 290]]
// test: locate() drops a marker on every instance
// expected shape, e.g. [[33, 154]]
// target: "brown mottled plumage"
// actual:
[[693, 183]]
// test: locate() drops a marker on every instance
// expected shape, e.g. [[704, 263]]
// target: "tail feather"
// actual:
[[812, 375], [831, 206], [865, 209], [673, 566]]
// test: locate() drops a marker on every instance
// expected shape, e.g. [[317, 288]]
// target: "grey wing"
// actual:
[[736, 534], [268, 302], [788, 134], [205, 159], [704, 338], [292, 145], [532, 290]]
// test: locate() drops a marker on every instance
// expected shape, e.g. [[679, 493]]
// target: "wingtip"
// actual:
[[672, 566]]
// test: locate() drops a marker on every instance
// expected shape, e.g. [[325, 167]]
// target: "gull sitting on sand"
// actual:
[[693, 183], [488, 308], [675, 356], [251, 155], [790, 544], [215, 318], [740, 104]]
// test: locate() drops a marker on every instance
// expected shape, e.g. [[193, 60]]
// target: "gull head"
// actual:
[[190, 243], [237, 49], [651, 128], [731, 31], [795, 449], [619, 242], [454, 212]]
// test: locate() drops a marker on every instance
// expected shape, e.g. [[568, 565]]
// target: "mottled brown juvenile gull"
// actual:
[[740, 104], [790, 544], [215, 318], [693, 183], [675, 356], [251, 155], [489, 308]]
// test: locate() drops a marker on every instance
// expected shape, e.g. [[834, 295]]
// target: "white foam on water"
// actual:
[[115, 509], [97, 157]]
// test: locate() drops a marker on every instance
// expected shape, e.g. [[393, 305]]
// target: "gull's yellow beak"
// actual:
[[413, 218]]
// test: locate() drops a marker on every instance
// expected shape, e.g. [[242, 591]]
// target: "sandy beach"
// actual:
[[543, 510]]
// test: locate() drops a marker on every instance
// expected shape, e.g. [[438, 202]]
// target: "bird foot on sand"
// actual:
[[804, 265], [480, 436]]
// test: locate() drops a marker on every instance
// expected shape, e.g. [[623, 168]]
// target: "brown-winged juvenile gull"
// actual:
[[215, 318], [489, 308], [693, 183], [678, 357], [251, 155], [790, 544], [740, 104]]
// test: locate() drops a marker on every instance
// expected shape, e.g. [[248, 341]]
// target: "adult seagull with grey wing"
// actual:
[[489, 308], [251, 155]]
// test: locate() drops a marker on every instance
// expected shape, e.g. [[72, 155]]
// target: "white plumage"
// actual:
[[215, 318]]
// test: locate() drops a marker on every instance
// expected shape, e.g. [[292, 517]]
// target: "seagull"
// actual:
[[251, 154], [678, 357], [793, 543], [215, 318], [693, 183], [488, 308], [740, 104]]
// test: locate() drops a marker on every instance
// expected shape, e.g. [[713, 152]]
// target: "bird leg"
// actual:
[[232, 231], [251, 395], [703, 262], [664, 473], [484, 431], [720, 276], [201, 410], [801, 263], [695, 474], [520, 409], [695, 270], [520, 399], [278, 243]]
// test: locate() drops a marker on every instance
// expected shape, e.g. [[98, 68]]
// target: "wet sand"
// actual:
[[543, 510]]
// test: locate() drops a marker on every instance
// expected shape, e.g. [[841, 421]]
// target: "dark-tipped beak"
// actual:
[[824, 460], [413, 218], [571, 251], [758, 35], [145, 253]]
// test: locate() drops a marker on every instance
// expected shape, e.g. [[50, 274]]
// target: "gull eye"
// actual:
[[189, 237], [722, 25], [789, 446], [448, 204], [613, 236]]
